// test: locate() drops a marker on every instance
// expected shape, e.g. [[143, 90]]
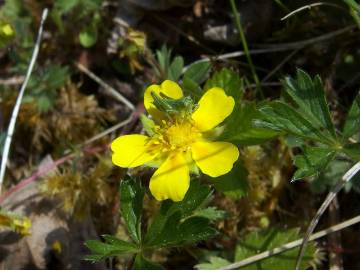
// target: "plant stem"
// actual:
[[246, 48]]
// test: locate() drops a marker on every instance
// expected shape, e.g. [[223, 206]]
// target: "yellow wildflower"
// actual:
[[179, 144]]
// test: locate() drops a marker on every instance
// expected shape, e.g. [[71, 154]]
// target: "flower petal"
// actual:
[[214, 158], [214, 107], [168, 88], [131, 151], [172, 179]]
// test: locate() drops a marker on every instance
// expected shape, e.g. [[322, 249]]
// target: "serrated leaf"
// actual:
[[281, 117], [173, 224], [131, 204], [104, 250], [141, 263], [240, 129], [309, 95], [177, 232], [198, 72], [233, 184], [256, 242], [214, 263], [352, 123], [228, 80], [175, 68], [353, 150], [312, 162]]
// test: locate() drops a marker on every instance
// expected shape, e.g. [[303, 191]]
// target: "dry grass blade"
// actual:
[[291, 245], [309, 7], [107, 87], [346, 178], [16, 109]]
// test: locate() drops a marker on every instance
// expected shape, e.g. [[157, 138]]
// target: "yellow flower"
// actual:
[[180, 144]]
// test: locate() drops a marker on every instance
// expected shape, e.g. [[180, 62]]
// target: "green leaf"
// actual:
[[214, 263], [309, 95], [256, 242], [88, 37], [141, 263], [352, 4], [239, 128], [66, 5], [233, 184], [198, 72], [329, 177], [353, 150], [352, 123], [312, 162], [131, 204], [281, 117], [148, 124], [175, 68], [211, 213], [175, 224], [112, 247], [228, 80], [192, 87]]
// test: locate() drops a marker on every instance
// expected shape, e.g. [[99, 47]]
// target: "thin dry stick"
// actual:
[[273, 48], [15, 112], [345, 179], [109, 130], [309, 7], [107, 87], [291, 245]]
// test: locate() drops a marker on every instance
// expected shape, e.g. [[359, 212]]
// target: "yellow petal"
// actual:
[[171, 89], [214, 107], [168, 88], [171, 180], [131, 151], [214, 158]]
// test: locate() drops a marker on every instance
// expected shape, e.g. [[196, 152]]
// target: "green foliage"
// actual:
[[176, 223], [233, 184], [198, 72], [256, 242], [214, 263], [88, 37], [353, 150], [308, 118], [131, 200], [43, 86], [352, 123], [111, 247], [312, 161], [194, 76], [328, 178], [228, 80], [167, 67], [175, 68], [309, 96], [141, 263], [240, 129]]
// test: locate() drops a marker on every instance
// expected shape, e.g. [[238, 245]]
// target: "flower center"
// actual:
[[176, 136]]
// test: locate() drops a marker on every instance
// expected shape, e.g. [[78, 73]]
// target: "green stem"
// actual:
[[246, 48]]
